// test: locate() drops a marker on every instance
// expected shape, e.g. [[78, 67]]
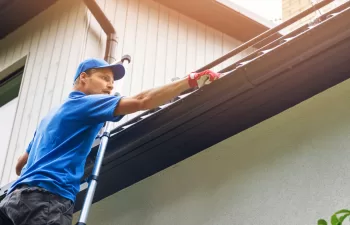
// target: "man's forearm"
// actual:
[[155, 97], [158, 96]]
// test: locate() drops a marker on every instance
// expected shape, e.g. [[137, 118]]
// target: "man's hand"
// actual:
[[157, 96], [202, 78]]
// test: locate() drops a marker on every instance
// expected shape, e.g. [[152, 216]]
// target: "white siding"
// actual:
[[162, 43], [290, 169]]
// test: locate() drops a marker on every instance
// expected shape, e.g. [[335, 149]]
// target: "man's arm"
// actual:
[[152, 98], [155, 97], [22, 160]]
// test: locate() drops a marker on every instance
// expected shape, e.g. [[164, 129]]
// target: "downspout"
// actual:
[[107, 27]]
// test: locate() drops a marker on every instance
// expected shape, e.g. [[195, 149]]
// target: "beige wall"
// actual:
[[162, 42], [291, 8], [290, 169]]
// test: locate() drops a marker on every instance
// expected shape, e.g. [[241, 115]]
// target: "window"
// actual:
[[9, 89], [9, 86]]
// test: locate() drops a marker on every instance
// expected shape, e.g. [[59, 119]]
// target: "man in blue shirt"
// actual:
[[53, 164]]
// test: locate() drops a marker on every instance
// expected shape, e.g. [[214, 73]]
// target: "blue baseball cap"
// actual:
[[94, 63]]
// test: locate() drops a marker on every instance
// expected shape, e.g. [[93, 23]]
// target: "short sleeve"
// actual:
[[100, 108]]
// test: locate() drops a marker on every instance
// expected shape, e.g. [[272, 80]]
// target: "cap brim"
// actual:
[[117, 69]]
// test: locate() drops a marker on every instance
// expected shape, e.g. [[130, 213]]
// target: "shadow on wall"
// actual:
[[291, 167]]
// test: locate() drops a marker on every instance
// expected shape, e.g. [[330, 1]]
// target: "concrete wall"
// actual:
[[290, 169], [162, 42]]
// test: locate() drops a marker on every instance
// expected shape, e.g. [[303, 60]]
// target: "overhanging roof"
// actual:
[[15, 13], [222, 15], [268, 83]]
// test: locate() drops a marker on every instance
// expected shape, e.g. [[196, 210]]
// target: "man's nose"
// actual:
[[110, 85]]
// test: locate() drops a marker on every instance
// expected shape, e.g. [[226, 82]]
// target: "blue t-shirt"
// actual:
[[62, 142]]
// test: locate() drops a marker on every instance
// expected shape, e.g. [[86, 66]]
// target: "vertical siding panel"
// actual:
[[228, 46], [24, 41], [151, 47], [3, 51], [129, 44], [141, 38], [110, 10], [181, 48], [209, 45], [234, 44], [27, 41], [93, 47], [170, 67], [161, 51], [218, 50], [130, 41], [120, 26], [191, 51], [103, 37], [84, 38], [64, 57], [200, 46], [54, 64], [73, 58], [16, 43], [16, 51], [119, 22], [7, 52]]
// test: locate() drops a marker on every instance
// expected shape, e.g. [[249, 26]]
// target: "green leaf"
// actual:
[[343, 211], [334, 220], [321, 222], [342, 218]]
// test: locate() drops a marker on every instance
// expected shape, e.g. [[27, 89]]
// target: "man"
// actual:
[[53, 164]]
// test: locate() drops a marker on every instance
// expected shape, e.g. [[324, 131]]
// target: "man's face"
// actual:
[[98, 81]]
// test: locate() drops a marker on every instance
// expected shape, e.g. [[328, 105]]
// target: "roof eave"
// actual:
[[18, 13]]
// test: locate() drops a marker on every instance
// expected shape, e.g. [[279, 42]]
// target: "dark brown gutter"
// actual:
[[107, 27]]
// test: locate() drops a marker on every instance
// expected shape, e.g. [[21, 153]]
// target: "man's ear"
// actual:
[[83, 77]]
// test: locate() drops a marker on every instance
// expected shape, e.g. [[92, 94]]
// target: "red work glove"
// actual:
[[202, 78]]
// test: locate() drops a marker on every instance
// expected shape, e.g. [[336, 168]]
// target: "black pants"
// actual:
[[35, 206]]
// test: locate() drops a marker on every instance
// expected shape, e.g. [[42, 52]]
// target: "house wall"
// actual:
[[163, 44], [291, 8], [289, 169]]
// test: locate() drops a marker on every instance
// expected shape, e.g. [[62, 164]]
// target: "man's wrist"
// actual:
[[186, 82]]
